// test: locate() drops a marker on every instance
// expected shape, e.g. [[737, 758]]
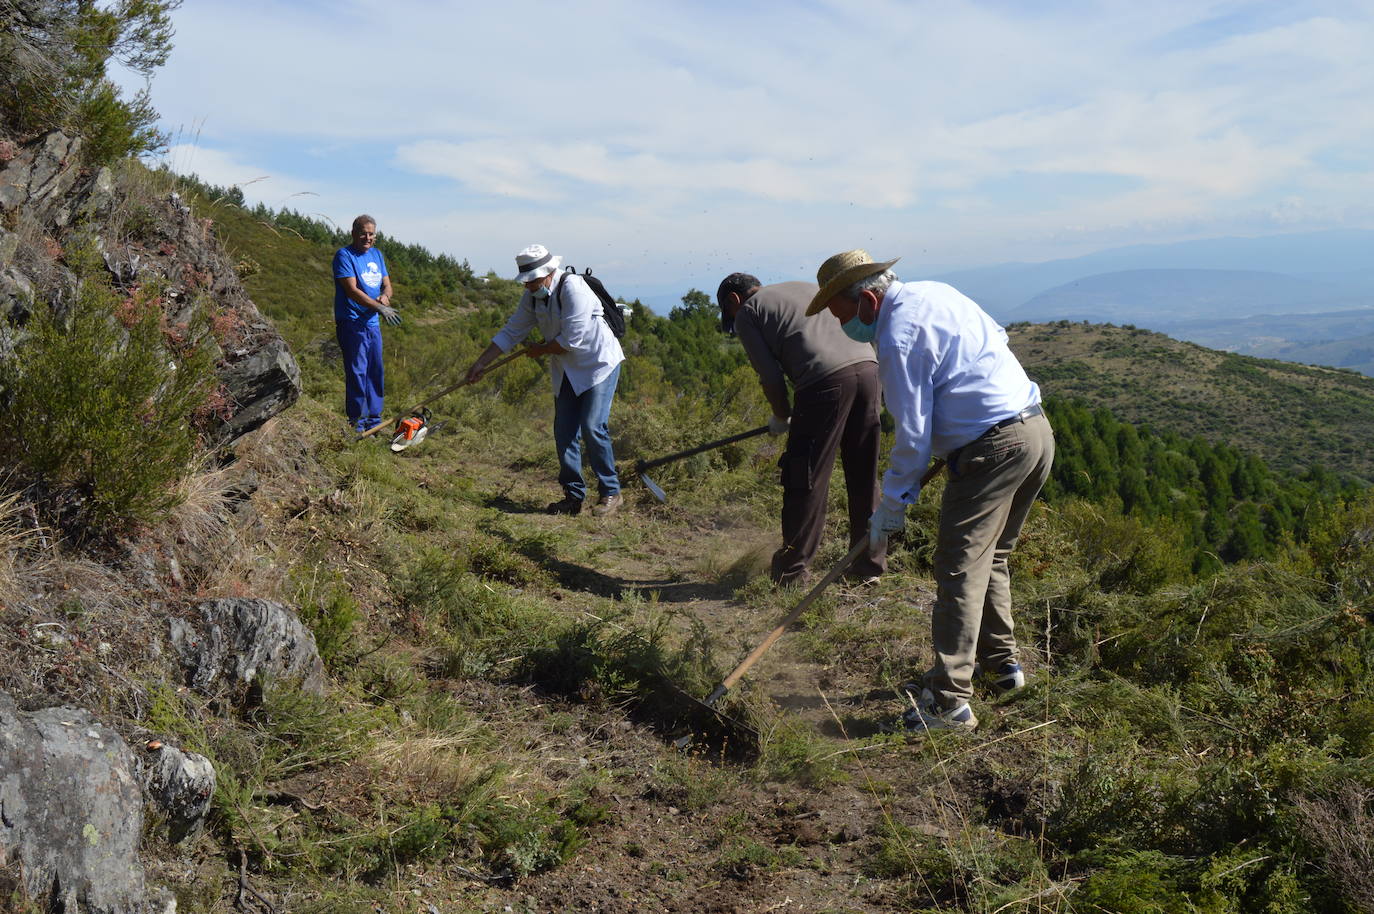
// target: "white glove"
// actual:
[[889, 518], [389, 315], [778, 425]]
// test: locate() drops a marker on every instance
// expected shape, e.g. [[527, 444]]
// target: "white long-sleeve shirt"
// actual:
[[948, 375], [593, 351]]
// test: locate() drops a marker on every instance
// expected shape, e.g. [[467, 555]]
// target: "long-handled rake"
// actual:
[[443, 393], [654, 487]]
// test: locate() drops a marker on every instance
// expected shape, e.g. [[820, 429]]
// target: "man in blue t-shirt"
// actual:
[[362, 292]]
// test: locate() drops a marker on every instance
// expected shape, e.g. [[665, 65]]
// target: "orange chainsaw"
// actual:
[[412, 429]]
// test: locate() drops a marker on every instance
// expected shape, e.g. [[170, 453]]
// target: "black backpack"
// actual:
[[615, 319]]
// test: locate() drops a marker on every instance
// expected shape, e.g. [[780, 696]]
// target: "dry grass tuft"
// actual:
[[22, 548], [431, 767], [1342, 826], [733, 568], [204, 510]]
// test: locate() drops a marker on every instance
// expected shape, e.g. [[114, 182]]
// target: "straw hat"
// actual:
[[535, 262], [842, 271]]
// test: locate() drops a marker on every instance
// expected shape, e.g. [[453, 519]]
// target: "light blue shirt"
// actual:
[[948, 375], [593, 351]]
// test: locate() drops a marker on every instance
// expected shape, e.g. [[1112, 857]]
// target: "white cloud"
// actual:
[[696, 134]]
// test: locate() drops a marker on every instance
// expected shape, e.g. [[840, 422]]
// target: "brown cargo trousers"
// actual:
[[992, 483], [837, 413]]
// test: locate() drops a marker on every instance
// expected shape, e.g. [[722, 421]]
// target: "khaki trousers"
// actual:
[[992, 483]]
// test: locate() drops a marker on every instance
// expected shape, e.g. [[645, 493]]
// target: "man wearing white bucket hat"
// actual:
[[957, 392], [584, 362]]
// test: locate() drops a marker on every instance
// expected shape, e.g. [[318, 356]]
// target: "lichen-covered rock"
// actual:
[[71, 813], [231, 643], [40, 176], [180, 784]]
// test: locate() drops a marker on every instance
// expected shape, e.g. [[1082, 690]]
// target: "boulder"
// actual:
[[230, 644], [180, 784], [71, 813], [261, 385], [40, 176], [43, 189]]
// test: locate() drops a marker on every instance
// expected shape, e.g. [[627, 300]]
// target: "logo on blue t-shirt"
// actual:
[[371, 277]]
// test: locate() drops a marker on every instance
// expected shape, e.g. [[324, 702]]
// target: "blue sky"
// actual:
[[668, 144]]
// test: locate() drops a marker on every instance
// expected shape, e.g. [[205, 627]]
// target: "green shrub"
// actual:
[[329, 610], [970, 867], [56, 57], [99, 402]]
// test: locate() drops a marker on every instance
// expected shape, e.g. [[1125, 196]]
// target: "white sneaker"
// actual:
[[928, 715]]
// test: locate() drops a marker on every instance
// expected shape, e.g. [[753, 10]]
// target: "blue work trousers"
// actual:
[[586, 416], [364, 381]]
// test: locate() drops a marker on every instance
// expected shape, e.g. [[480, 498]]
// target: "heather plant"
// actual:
[[96, 402]]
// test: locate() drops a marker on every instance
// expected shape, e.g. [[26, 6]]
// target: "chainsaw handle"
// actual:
[[643, 465]]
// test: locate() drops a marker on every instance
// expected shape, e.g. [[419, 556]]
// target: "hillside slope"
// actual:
[[1293, 416], [505, 686]]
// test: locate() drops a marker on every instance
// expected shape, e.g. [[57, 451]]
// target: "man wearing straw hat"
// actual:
[[958, 393], [584, 360], [833, 409]]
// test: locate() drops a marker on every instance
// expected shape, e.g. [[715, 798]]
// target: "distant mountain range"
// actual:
[[1302, 297], [1339, 259], [1181, 295]]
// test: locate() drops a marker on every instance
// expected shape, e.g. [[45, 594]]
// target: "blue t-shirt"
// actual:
[[367, 269]]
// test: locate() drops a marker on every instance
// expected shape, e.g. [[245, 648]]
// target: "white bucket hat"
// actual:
[[535, 262]]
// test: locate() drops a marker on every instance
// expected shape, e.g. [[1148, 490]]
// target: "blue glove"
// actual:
[[889, 518]]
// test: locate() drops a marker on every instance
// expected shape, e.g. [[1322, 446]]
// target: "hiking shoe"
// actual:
[[568, 505], [1008, 677], [607, 505], [928, 715]]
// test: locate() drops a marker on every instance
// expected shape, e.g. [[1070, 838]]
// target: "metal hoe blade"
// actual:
[[653, 488]]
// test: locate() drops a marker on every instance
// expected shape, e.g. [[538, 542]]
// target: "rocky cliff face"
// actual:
[[48, 202], [77, 770]]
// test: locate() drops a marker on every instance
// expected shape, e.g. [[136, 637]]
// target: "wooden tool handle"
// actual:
[[447, 390], [710, 445], [830, 577]]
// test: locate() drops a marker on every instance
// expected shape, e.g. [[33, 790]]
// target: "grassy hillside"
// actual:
[[498, 735], [1292, 416]]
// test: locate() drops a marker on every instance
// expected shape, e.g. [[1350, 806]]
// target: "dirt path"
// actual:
[[682, 834]]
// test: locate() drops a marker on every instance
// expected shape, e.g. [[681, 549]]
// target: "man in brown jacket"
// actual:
[[834, 407]]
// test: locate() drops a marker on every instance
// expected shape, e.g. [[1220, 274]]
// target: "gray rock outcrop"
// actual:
[[71, 813], [229, 644], [48, 201], [179, 784]]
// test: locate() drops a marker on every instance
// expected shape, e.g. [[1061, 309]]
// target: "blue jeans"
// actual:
[[364, 380], [585, 415]]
